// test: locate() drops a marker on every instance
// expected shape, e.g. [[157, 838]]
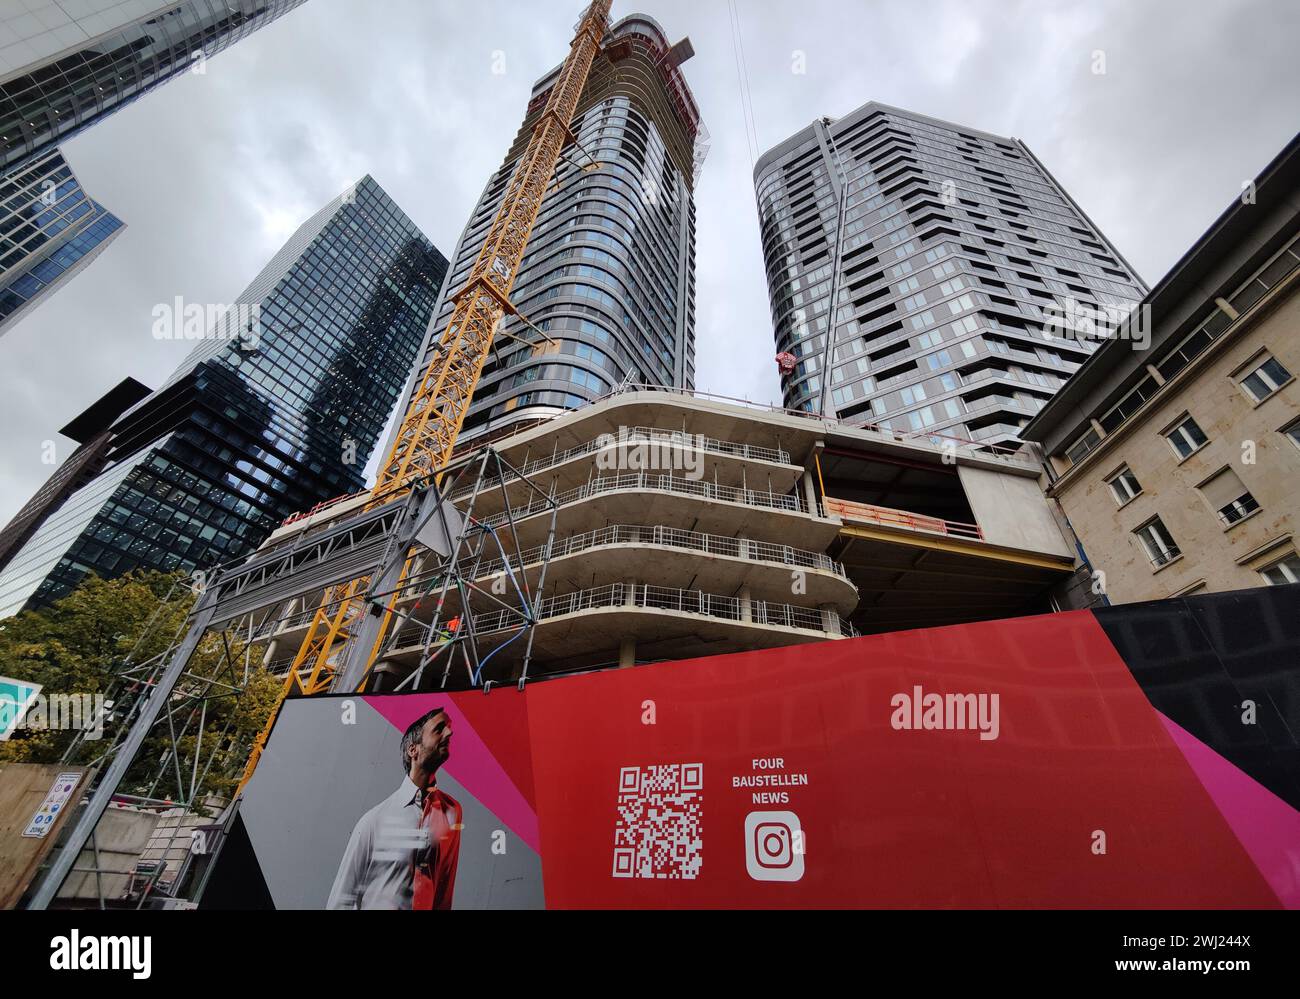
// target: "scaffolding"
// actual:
[[457, 587]]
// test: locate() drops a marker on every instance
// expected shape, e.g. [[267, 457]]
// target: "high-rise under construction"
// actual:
[[609, 272]]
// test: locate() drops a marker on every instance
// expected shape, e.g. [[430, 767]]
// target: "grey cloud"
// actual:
[[212, 171]]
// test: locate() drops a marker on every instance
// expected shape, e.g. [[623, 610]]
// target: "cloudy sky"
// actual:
[[212, 172]]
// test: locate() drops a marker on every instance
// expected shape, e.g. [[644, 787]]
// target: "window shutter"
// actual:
[[1222, 489]]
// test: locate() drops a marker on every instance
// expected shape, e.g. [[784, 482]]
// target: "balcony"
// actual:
[[984, 373], [583, 629], [666, 499], [666, 440], [994, 431], [710, 544], [623, 449], [642, 482], [664, 555], [676, 601]]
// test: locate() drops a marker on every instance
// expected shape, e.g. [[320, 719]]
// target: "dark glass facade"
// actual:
[[49, 230], [96, 56], [609, 272], [92, 432], [911, 266], [246, 433]]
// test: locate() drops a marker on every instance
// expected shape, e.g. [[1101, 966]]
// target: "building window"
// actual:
[[1280, 573], [1186, 437], [1124, 486], [1228, 497], [1265, 379], [1292, 433], [1238, 509], [1082, 446], [1157, 542]]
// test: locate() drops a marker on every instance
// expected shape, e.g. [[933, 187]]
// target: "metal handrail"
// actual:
[[671, 537], [655, 435], [661, 483], [919, 436], [643, 596]]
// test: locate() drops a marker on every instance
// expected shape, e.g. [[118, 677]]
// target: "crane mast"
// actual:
[[428, 432]]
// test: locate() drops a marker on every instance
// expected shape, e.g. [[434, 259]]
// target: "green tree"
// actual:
[[79, 645]]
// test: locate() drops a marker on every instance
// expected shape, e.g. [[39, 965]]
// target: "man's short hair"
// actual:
[[412, 735]]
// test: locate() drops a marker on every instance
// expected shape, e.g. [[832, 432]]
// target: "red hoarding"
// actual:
[[1131, 758]]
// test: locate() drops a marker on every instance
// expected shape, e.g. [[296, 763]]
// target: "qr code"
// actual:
[[658, 833]]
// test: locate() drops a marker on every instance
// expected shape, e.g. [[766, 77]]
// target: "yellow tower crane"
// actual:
[[437, 410]]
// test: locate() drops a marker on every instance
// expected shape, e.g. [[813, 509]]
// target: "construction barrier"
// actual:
[[1140, 756]]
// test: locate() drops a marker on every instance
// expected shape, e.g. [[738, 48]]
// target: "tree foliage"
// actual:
[[80, 644]]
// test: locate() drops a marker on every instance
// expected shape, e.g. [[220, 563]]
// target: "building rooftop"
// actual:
[[103, 412]]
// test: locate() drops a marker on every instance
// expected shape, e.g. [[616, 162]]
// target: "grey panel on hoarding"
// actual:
[[318, 776]]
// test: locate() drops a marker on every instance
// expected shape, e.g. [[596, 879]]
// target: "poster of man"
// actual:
[[403, 852]]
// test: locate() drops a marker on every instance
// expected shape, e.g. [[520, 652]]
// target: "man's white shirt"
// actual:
[[376, 870]]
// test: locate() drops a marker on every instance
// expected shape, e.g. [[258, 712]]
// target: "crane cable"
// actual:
[[742, 81]]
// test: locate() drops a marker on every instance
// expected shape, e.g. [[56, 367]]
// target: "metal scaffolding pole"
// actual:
[[419, 542], [155, 703]]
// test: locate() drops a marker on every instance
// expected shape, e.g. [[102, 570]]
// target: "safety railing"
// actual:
[[671, 537], [643, 596], [660, 483], [661, 441], [627, 436], [1008, 452], [293, 518]]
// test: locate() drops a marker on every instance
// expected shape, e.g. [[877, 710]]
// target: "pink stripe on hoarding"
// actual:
[[1268, 827], [471, 763]]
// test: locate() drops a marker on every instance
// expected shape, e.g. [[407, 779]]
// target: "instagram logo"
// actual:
[[773, 846]]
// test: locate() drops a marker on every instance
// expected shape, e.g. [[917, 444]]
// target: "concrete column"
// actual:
[[387, 674], [810, 491], [1227, 308], [629, 593], [627, 653], [746, 604], [830, 619]]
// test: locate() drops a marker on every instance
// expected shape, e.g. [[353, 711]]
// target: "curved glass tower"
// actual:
[[609, 273]]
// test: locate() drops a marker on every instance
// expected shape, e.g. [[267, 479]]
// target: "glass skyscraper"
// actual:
[[276, 409], [609, 272], [65, 66], [912, 265], [49, 230]]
